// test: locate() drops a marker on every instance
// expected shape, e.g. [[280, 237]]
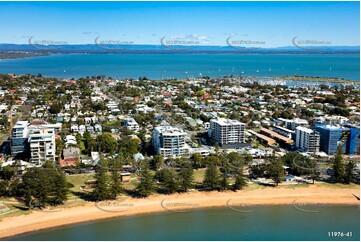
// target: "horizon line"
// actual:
[[258, 47]]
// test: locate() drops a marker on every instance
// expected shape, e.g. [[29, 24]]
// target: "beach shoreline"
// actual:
[[238, 201]]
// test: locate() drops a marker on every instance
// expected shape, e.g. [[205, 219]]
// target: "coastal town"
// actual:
[[176, 135], [67, 143], [180, 121]]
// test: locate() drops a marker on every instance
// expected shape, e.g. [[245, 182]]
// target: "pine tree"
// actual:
[[115, 186], [275, 170], [240, 182], [197, 160], [237, 162], [224, 182], [61, 188], [101, 186], [314, 171], [211, 178], [46, 186], [4, 188], [225, 170], [169, 183], [48, 165], [157, 162], [146, 185], [350, 166], [185, 178], [8, 172], [338, 166]]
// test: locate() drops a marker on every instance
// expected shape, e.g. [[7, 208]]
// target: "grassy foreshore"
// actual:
[[242, 200]]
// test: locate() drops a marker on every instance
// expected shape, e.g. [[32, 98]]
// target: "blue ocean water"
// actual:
[[164, 66], [284, 223]]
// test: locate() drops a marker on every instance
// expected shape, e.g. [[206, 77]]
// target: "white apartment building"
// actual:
[[170, 142], [42, 145], [19, 136], [297, 122], [307, 140], [131, 124], [292, 124], [20, 129], [336, 119], [226, 131]]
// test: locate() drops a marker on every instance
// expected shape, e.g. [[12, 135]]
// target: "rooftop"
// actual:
[[169, 130], [275, 135], [331, 127], [283, 128], [21, 124], [224, 121], [307, 130]]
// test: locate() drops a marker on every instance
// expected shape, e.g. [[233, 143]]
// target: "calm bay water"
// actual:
[[156, 66], [264, 223]]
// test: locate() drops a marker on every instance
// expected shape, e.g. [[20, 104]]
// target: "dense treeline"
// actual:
[[38, 187], [47, 185], [342, 171]]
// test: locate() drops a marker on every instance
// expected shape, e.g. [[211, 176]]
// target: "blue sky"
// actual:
[[268, 24]]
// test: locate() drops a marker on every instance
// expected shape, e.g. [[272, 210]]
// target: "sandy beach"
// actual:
[[38, 220]]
